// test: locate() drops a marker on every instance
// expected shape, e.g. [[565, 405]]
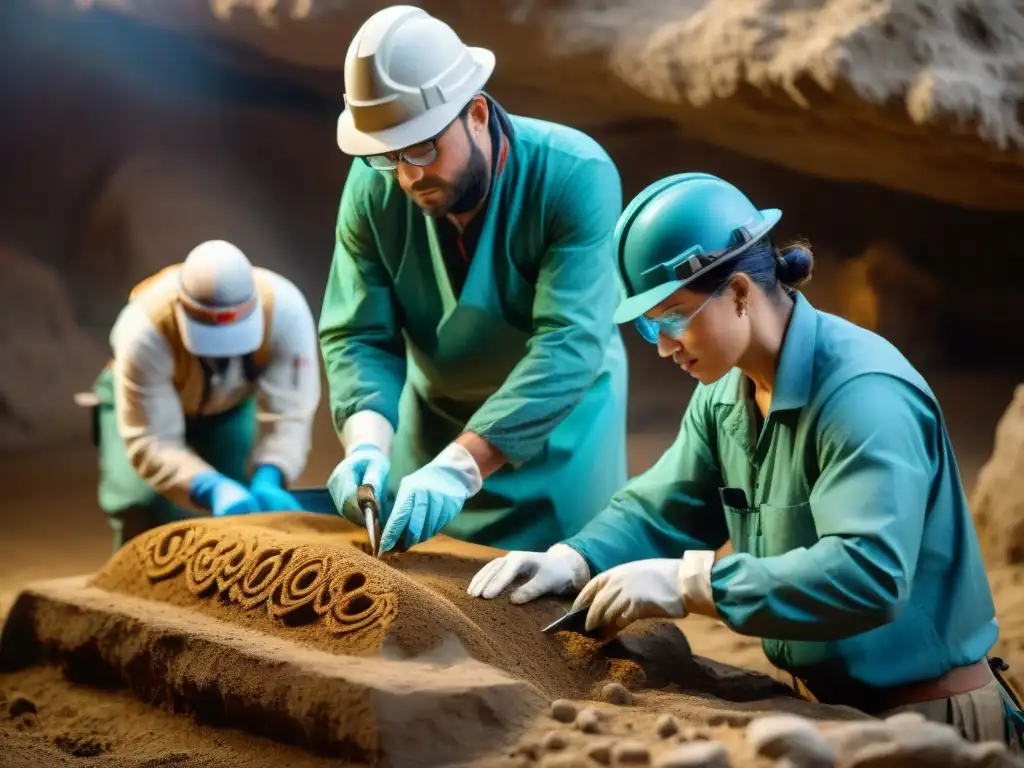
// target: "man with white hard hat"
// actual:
[[198, 345], [475, 372]]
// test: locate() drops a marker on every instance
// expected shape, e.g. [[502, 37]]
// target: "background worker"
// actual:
[[812, 445], [195, 348], [470, 301]]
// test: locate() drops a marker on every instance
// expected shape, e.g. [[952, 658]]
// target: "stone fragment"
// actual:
[[667, 726], [617, 693], [563, 710], [779, 736], [699, 754]]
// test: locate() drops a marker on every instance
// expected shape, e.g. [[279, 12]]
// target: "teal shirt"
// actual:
[[524, 353], [855, 555]]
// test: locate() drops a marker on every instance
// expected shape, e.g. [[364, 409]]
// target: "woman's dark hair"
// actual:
[[788, 268]]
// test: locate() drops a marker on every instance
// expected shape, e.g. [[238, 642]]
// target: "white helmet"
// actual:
[[219, 311], [407, 77]]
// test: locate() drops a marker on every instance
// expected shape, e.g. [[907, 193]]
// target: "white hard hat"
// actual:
[[218, 309], [407, 76]]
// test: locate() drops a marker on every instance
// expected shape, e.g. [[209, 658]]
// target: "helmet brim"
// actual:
[[632, 307], [354, 142], [234, 340]]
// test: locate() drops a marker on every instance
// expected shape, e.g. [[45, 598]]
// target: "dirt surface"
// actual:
[[52, 529], [282, 625]]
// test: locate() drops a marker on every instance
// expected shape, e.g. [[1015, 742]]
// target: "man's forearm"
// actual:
[[488, 458]]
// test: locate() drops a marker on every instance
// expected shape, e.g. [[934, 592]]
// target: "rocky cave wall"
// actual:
[[134, 131]]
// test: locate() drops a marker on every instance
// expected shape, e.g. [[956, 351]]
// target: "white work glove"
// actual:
[[648, 589], [555, 572]]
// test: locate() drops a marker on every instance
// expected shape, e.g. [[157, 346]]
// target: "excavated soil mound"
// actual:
[[283, 625], [307, 578]]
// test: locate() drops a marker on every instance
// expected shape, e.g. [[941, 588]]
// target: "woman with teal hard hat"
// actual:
[[816, 449]]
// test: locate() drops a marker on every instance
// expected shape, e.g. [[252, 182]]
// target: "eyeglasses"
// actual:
[[420, 155], [672, 323]]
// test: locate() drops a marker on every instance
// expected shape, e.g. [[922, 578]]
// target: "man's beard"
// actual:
[[468, 190]]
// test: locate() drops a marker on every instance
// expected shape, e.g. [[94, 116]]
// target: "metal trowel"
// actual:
[[366, 500], [576, 621]]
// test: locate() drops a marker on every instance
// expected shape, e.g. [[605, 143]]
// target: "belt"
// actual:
[[872, 700]]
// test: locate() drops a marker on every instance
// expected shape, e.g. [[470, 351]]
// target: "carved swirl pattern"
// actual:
[[296, 585]]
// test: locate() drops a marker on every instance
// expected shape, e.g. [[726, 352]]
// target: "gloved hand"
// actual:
[[430, 497], [364, 465], [267, 485], [554, 572], [222, 495], [647, 589]]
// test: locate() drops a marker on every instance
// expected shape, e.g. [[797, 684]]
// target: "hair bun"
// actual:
[[794, 265]]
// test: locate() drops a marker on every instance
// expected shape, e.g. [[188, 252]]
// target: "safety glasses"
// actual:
[[420, 155], [672, 323]]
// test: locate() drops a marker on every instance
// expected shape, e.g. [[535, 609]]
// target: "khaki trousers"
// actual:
[[978, 715]]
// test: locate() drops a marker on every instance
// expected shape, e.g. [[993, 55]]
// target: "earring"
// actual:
[[743, 311]]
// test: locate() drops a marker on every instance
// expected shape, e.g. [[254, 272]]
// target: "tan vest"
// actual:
[[156, 297]]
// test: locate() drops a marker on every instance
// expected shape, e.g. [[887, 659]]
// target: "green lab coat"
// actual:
[[224, 440], [855, 556], [526, 355]]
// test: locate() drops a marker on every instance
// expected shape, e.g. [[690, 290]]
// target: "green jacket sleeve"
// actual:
[[575, 296], [361, 343], [873, 444], [669, 509]]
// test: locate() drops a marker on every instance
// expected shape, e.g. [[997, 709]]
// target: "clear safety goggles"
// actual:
[[672, 323]]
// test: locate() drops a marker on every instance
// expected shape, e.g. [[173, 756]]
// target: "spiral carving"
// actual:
[[295, 585]]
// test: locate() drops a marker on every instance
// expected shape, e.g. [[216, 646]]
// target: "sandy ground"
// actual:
[[52, 528]]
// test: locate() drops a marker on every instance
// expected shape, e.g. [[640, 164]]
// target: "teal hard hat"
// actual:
[[677, 229]]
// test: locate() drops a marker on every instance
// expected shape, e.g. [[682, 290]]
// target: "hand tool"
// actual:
[[366, 499], [576, 621]]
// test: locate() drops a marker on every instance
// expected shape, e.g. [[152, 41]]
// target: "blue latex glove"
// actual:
[[222, 495], [364, 465], [267, 485], [429, 498]]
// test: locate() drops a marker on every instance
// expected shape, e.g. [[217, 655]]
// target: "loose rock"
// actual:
[[589, 721], [695, 733], [563, 710], [700, 754], [732, 719], [617, 693], [926, 745], [18, 704], [630, 753], [569, 760], [847, 738], [905, 719], [555, 740], [666, 726], [529, 749], [600, 752], [790, 736]]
